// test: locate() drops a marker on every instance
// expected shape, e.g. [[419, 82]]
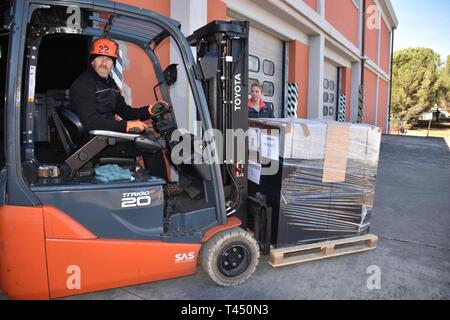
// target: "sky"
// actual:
[[423, 23]]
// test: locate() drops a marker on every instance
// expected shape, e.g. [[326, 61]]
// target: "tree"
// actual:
[[417, 83], [445, 76]]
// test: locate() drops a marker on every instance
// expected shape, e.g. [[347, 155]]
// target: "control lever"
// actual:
[[147, 141]]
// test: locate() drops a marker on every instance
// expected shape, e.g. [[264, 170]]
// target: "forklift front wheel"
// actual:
[[230, 257]]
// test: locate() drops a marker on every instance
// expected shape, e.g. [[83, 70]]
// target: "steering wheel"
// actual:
[[159, 109], [161, 123]]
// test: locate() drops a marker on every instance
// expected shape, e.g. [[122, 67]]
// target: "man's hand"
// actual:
[[136, 126]]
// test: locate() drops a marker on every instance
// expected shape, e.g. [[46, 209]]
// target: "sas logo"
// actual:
[[136, 199], [184, 257]]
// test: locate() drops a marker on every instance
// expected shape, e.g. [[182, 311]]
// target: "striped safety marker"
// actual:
[[117, 72], [342, 108], [292, 101], [360, 118]]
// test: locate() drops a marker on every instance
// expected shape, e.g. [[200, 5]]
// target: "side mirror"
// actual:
[[208, 65], [171, 74]]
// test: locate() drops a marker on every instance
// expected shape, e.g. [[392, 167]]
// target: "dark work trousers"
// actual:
[[154, 163]]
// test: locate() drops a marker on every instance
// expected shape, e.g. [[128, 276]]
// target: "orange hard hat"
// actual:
[[105, 47]]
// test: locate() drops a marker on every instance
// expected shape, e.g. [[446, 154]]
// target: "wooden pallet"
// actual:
[[321, 250]]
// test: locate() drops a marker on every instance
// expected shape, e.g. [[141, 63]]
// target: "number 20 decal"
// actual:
[[136, 202]]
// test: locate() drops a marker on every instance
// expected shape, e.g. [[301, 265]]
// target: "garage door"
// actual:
[[266, 67], [330, 89]]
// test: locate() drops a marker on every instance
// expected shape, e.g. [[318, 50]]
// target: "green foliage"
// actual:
[[445, 76], [417, 83]]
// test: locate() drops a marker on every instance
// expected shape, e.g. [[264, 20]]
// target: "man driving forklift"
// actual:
[[96, 98]]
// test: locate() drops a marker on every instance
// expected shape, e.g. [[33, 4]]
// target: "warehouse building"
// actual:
[[310, 56]]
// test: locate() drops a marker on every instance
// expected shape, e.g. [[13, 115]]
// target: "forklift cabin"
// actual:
[[62, 231]]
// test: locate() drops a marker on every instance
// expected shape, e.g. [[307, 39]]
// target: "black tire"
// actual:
[[230, 257]]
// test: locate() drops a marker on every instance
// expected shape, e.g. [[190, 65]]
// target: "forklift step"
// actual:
[[321, 250], [184, 232]]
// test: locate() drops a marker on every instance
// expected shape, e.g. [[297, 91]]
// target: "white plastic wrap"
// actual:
[[328, 178]]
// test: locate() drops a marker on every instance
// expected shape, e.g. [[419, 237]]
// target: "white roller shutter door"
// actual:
[[266, 66], [330, 89]]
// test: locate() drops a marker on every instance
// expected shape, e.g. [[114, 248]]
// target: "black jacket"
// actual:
[[265, 111], [96, 100]]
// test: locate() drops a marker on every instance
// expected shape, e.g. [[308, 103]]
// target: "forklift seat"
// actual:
[[69, 127], [72, 135]]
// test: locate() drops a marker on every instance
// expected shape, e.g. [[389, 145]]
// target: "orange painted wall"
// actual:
[[371, 36], [385, 47], [298, 72], [311, 3], [139, 75], [347, 89], [343, 15], [217, 10], [383, 105], [370, 83], [23, 267]]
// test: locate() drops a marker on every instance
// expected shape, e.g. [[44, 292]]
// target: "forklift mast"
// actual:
[[226, 95]]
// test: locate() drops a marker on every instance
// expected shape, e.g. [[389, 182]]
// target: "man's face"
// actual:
[[103, 65]]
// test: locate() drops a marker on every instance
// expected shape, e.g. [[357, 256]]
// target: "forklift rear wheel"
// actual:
[[230, 257]]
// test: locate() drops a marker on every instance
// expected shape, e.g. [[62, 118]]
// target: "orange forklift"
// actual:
[[62, 231]]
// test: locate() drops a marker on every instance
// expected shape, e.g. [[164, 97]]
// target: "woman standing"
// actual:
[[257, 108]]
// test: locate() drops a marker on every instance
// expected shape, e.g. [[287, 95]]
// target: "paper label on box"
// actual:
[[254, 172], [253, 139], [270, 146]]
